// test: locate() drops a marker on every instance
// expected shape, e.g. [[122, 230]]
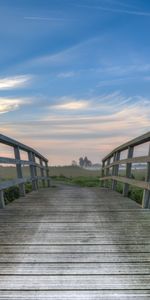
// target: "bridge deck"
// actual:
[[74, 243]]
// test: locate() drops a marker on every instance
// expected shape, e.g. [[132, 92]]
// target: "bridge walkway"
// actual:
[[74, 243]]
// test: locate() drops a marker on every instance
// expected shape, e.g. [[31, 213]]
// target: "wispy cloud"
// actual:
[[101, 105], [69, 103], [14, 82], [120, 70], [67, 55], [116, 81], [66, 137], [120, 3], [38, 18], [117, 10], [106, 110], [7, 105]]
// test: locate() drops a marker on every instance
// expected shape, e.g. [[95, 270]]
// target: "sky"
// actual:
[[74, 75]]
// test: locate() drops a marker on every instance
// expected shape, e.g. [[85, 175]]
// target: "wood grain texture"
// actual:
[[74, 243], [133, 182], [135, 142]]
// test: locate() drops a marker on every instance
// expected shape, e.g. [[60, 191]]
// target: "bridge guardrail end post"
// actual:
[[146, 199], [125, 190], [2, 201], [34, 185], [22, 191], [48, 182]]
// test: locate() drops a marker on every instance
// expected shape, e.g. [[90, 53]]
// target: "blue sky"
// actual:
[[74, 75]]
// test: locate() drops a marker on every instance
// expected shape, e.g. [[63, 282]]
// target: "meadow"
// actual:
[[72, 172], [71, 175]]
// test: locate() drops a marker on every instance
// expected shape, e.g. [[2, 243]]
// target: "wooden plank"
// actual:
[[78, 227], [106, 233], [71, 217], [81, 248], [25, 240], [81, 282], [135, 142], [8, 160], [49, 233], [11, 142], [74, 268], [77, 295], [80, 244], [9, 183], [137, 183], [13, 182], [139, 159], [75, 257]]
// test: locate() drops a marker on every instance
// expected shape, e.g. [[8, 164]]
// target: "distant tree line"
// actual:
[[85, 162]]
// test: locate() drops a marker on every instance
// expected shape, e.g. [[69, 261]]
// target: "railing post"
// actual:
[[32, 171], [107, 172], [128, 171], [19, 171], [146, 193], [115, 170], [2, 202], [47, 174], [42, 171], [102, 173], [35, 170]]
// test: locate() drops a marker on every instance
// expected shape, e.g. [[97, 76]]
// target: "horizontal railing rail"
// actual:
[[20, 181], [112, 162]]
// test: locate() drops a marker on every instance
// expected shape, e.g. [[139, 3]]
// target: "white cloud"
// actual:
[[7, 105], [104, 104], [72, 105], [14, 82], [107, 121], [69, 103]]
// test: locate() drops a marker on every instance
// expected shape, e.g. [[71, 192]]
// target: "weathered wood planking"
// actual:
[[75, 268], [76, 295], [20, 180], [112, 162], [74, 243], [74, 282]]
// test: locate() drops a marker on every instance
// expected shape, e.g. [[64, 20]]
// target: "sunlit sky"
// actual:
[[74, 75]]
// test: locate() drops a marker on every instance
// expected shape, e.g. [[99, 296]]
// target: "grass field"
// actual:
[[72, 175], [76, 175], [73, 172]]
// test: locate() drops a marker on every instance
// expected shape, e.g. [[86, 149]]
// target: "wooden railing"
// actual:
[[112, 162], [31, 162]]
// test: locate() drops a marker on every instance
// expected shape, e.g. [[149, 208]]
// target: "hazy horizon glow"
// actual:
[[74, 76]]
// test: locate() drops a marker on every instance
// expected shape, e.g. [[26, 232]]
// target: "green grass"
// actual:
[[134, 193], [12, 193], [80, 180], [135, 174], [72, 172]]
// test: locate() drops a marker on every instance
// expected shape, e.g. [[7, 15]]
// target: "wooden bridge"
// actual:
[[67, 242]]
